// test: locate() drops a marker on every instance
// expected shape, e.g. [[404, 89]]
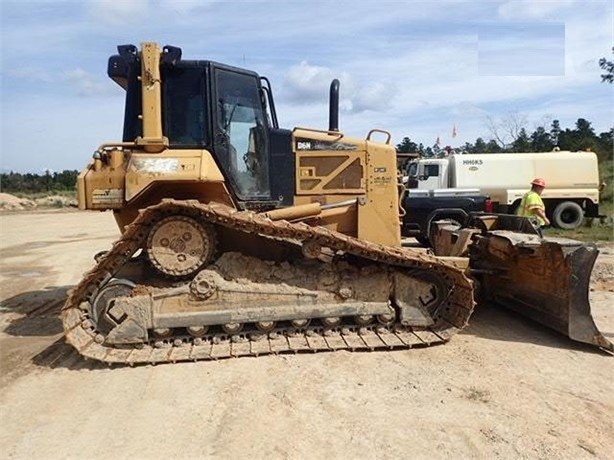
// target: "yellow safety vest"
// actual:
[[530, 202]]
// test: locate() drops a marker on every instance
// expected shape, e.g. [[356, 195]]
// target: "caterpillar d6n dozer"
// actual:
[[242, 238]]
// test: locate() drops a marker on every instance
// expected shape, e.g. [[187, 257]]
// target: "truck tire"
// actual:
[[568, 215]]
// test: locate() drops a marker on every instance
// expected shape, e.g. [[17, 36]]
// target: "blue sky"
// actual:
[[414, 68]]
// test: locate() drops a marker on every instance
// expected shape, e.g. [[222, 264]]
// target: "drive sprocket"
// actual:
[[178, 246]]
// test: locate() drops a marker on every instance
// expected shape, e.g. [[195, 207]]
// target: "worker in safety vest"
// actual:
[[532, 205]]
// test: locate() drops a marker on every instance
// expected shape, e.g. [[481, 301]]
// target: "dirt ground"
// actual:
[[504, 387]]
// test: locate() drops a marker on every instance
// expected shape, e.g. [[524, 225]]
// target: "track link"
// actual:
[[80, 330]]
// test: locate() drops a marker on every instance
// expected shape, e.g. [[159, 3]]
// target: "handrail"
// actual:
[[376, 130], [330, 133]]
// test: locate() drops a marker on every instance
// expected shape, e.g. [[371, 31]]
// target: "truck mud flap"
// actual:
[[546, 280]]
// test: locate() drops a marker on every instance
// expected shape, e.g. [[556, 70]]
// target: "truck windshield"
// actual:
[[412, 170]]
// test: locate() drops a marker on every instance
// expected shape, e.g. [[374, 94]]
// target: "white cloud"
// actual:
[[187, 7], [118, 12], [466, 108], [30, 73], [532, 9], [376, 96], [86, 84], [308, 83]]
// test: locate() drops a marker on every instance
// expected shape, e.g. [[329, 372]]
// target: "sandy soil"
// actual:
[[504, 387]]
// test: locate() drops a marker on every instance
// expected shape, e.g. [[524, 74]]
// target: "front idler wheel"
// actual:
[[105, 300]]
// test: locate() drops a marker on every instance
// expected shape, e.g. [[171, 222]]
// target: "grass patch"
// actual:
[[587, 234]]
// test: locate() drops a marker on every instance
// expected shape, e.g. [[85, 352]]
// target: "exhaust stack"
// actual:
[[333, 110]]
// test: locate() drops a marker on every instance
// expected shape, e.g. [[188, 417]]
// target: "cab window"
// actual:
[[184, 120], [431, 170]]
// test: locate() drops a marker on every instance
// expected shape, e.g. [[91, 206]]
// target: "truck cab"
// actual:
[[427, 174]]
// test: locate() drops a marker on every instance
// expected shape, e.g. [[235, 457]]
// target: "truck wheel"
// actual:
[[568, 215]]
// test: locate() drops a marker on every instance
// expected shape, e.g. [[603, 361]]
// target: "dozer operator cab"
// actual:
[[200, 130], [225, 110]]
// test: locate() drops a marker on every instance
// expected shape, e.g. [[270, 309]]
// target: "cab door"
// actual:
[[241, 134], [429, 175]]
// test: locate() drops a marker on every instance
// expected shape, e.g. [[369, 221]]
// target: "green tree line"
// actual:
[[13, 182], [581, 137]]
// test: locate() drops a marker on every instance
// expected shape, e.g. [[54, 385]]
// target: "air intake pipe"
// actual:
[[333, 110]]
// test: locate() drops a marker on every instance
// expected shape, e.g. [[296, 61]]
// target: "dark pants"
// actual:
[[538, 227]]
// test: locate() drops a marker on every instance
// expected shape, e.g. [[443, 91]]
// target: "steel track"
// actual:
[[80, 331]]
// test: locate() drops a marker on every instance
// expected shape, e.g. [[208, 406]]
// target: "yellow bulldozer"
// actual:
[[241, 238]]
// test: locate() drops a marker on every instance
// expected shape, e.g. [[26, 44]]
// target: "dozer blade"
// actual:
[[546, 280]]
